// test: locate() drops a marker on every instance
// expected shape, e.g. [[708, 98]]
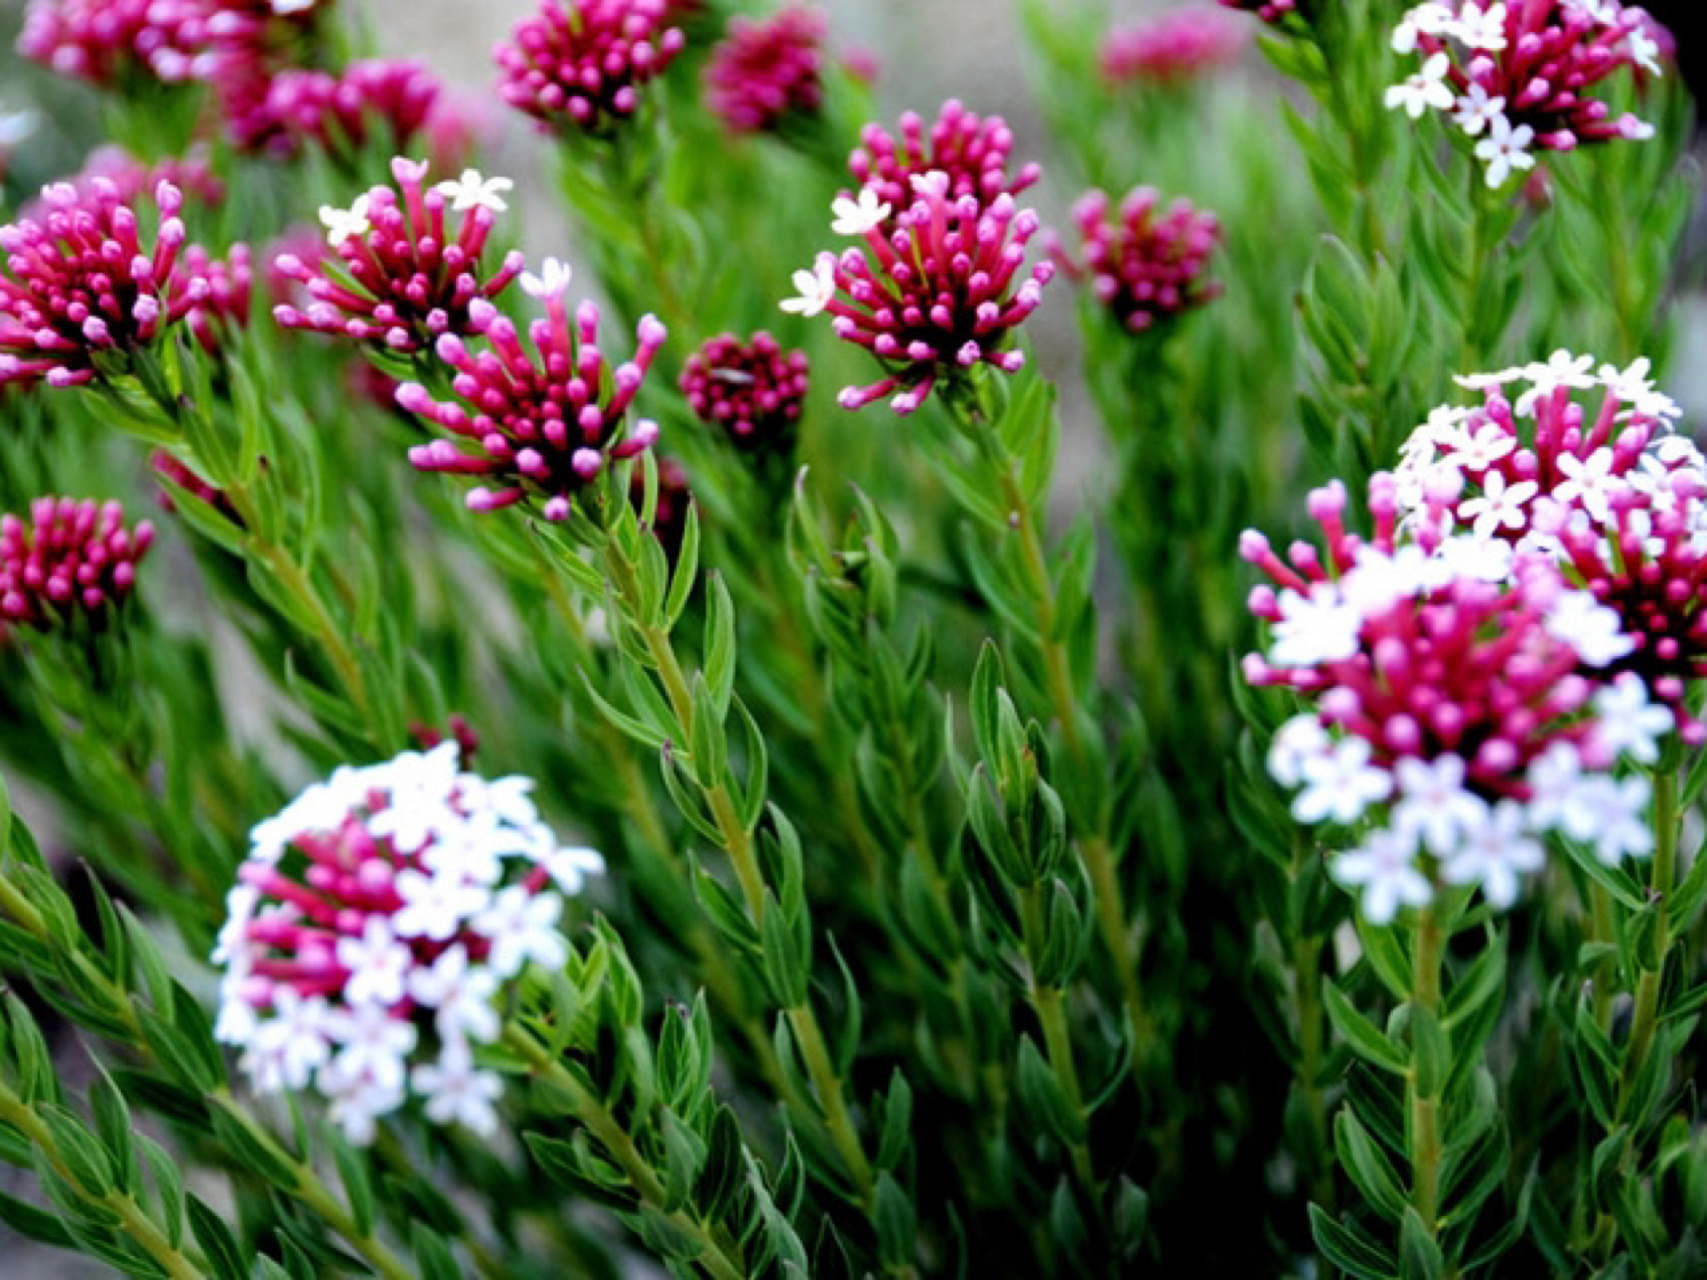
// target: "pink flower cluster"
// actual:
[[80, 284], [1177, 47], [581, 65], [382, 910], [1600, 489], [132, 178], [754, 390], [402, 277], [971, 150], [766, 71], [71, 557], [394, 101], [942, 290], [1146, 264], [107, 41], [223, 287], [540, 427], [1516, 75], [1459, 699]]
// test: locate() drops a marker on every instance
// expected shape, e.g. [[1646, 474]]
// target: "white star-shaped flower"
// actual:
[[1301, 738], [286, 1048], [378, 963], [1645, 51], [1626, 723], [1384, 867], [857, 217], [436, 906], [341, 224], [372, 1042], [522, 927], [1476, 110], [1481, 29], [1320, 627], [1624, 827], [1594, 630], [1636, 392], [1431, 19], [1588, 482], [570, 866], [1500, 505], [457, 1092], [1495, 854], [1435, 804], [460, 994], [815, 288], [1505, 150], [551, 282], [1340, 784], [1558, 800], [472, 191], [1424, 89]]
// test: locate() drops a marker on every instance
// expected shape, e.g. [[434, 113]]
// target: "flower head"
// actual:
[[752, 390], [370, 99], [1578, 464], [403, 275], [763, 72], [1274, 11], [1442, 680], [542, 427], [371, 929], [1146, 263], [82, 285], [1516, 75], [939, 293], [1174, 48], [107, 42], [580, 64], [69, 559], [972, 151]]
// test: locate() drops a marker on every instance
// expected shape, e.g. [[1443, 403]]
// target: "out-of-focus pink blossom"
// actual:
[[764, 72], [70, 558], [1181, 45], [580, 65], [1146, 263]]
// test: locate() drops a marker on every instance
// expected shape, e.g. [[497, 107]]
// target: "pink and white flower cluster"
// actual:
[[581, 64], [373, 928], [542, 427], [1515, 76], [972, 150], [1575, 462], [403, 274], [1463, 705], [70, 557], [80, 282]]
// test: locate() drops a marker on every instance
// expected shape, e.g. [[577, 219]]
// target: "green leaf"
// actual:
[[34, 1224], [436, 1260], [1368, 1168], [224, 1256], [353, 1173], [82, 1156], [1349, 1248], [163, 1167], [1360, 1033], [896, 1221], [112, 1125], [720, 644], [1419, 1255]]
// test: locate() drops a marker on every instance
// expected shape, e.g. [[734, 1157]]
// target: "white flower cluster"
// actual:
[[382, 906]]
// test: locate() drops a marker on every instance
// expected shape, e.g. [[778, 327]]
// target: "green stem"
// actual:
[[133, 1220], [1646, 1020], [309, 1189], [1051, 1007], [1425, 1106], [722, 1260]]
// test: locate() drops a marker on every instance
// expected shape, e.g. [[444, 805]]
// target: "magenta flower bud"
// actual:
[[66, 541], [765, 72], [578, 65], [972, 152], [1273, 11]]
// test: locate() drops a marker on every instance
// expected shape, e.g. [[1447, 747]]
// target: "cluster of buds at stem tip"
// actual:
[[1577, 464], [132, 178], [71, 557], [1463, 703], [373, 98], [755, 391], [973, 152], [941, 291], [545, 426], [401, 277], [1514, 76], [580, 65], [108, 42], [763, 72], [1173, 49], [382, 912], [1146, 263], [80, 286]]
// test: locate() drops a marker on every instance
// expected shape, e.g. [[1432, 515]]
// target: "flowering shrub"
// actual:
[[1224, 725]]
